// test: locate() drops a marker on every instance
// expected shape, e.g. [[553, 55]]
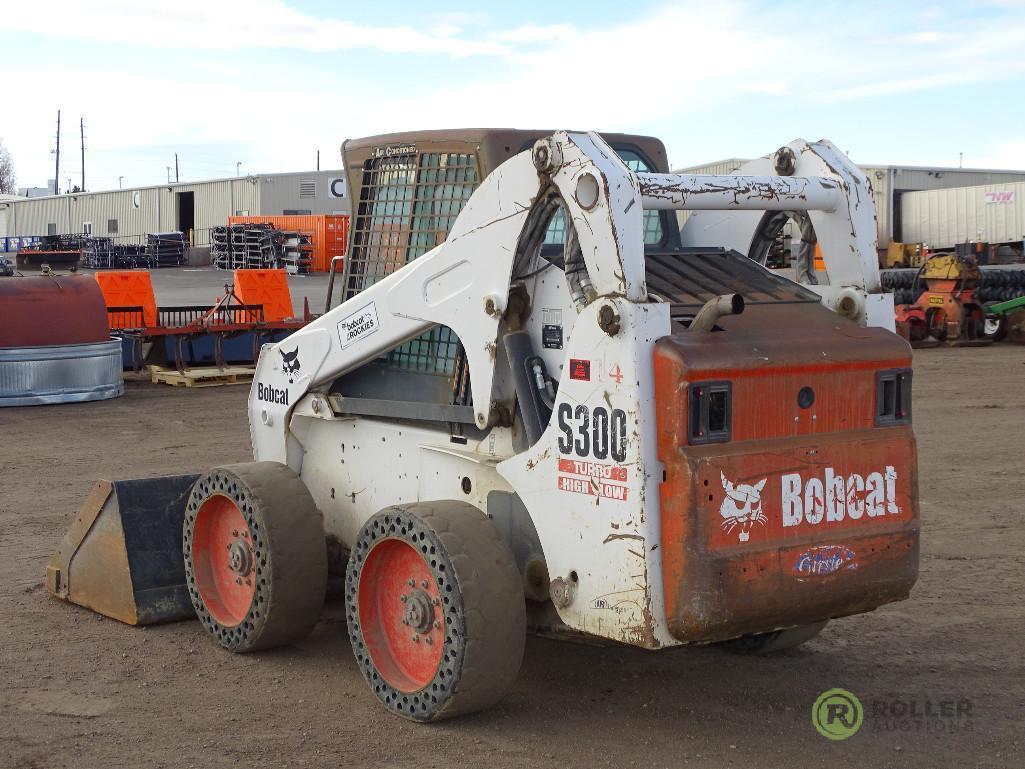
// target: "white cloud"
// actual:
[[688, 63], [232, 24]]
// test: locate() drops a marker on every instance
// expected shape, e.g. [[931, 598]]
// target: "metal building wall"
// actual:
[[942, 218], [213, 203], [290, 192], [718, 168], [137, 211]]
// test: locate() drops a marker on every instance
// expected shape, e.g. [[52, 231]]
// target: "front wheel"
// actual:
[[436, 610], [255, 555], [775, 641]]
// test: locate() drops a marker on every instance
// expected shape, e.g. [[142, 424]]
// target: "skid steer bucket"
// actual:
[[122, 557]]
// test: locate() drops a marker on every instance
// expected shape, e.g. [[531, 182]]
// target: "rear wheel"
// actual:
[[436, 610], [255, 556], [776, 641]]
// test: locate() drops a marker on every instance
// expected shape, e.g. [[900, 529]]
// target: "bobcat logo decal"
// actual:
[[742, 507], [290, 363]]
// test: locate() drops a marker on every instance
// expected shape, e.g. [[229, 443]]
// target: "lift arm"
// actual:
[[845, 226]]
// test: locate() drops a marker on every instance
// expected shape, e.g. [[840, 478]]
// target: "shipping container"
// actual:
[[991, 213], [329, 233]]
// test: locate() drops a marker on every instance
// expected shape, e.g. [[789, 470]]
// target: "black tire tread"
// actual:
[[296, 556], [493, 606]]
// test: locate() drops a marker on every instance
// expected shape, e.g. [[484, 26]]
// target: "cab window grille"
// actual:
[[407, 205]]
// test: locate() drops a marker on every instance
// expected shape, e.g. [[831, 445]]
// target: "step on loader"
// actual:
[[536, 409]]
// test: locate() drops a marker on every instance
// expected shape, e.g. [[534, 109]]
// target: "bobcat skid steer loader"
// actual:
[[535, 409]]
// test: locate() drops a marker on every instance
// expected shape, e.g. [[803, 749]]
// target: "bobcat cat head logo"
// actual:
[[741, 507], [290, 363]]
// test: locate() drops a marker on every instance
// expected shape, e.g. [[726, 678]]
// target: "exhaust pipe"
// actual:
[[727, 304]]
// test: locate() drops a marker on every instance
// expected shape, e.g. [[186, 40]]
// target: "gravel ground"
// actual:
[[82, 691]]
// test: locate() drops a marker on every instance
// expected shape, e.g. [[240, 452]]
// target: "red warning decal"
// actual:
[[593, 487], [580, 369], [593, 478], [593, 470]]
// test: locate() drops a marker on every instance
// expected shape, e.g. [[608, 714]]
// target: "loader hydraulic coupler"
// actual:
[[122, 556]]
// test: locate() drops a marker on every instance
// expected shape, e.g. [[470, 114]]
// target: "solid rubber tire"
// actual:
[[290, 567], [485, 620]]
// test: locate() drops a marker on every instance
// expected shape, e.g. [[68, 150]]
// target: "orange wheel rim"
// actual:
[[400, 615], [223, 560]]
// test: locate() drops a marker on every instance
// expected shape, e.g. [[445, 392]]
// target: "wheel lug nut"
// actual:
[[424, 584], [436, 601], [428, 640], [403, 598], [437, 625], [416, 638], [405, 621], [412, 582]]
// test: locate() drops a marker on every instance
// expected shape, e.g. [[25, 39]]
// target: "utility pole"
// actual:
[[960, 160], [318, 160], [176, 168], [57, 170], [81, 128]]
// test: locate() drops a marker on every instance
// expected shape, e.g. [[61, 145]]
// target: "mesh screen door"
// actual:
[[407, 205]]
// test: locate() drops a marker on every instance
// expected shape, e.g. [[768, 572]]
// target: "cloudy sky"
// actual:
[[269, 82]]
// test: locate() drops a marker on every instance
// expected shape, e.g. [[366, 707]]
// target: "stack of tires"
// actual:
[[998, 284]]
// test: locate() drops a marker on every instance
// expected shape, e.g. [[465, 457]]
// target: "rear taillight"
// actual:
[[711, 412], [893, 397]]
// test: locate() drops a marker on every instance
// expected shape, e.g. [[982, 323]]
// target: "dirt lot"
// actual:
[[82, 691]]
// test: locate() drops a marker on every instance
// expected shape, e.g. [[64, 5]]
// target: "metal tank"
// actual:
[[55, 344]]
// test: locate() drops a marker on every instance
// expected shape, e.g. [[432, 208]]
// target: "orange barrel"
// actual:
[[52, 310], [265, 287]]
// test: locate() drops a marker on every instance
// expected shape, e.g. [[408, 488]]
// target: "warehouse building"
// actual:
[[193, 207], [889, 186]]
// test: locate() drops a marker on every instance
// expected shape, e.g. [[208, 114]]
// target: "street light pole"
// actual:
[[119, 181], [238, 168]]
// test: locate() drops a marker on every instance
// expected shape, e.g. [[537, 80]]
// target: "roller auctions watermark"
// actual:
[[838, 714]]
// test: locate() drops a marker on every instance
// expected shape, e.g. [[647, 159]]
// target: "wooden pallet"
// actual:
[[202, 377]]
